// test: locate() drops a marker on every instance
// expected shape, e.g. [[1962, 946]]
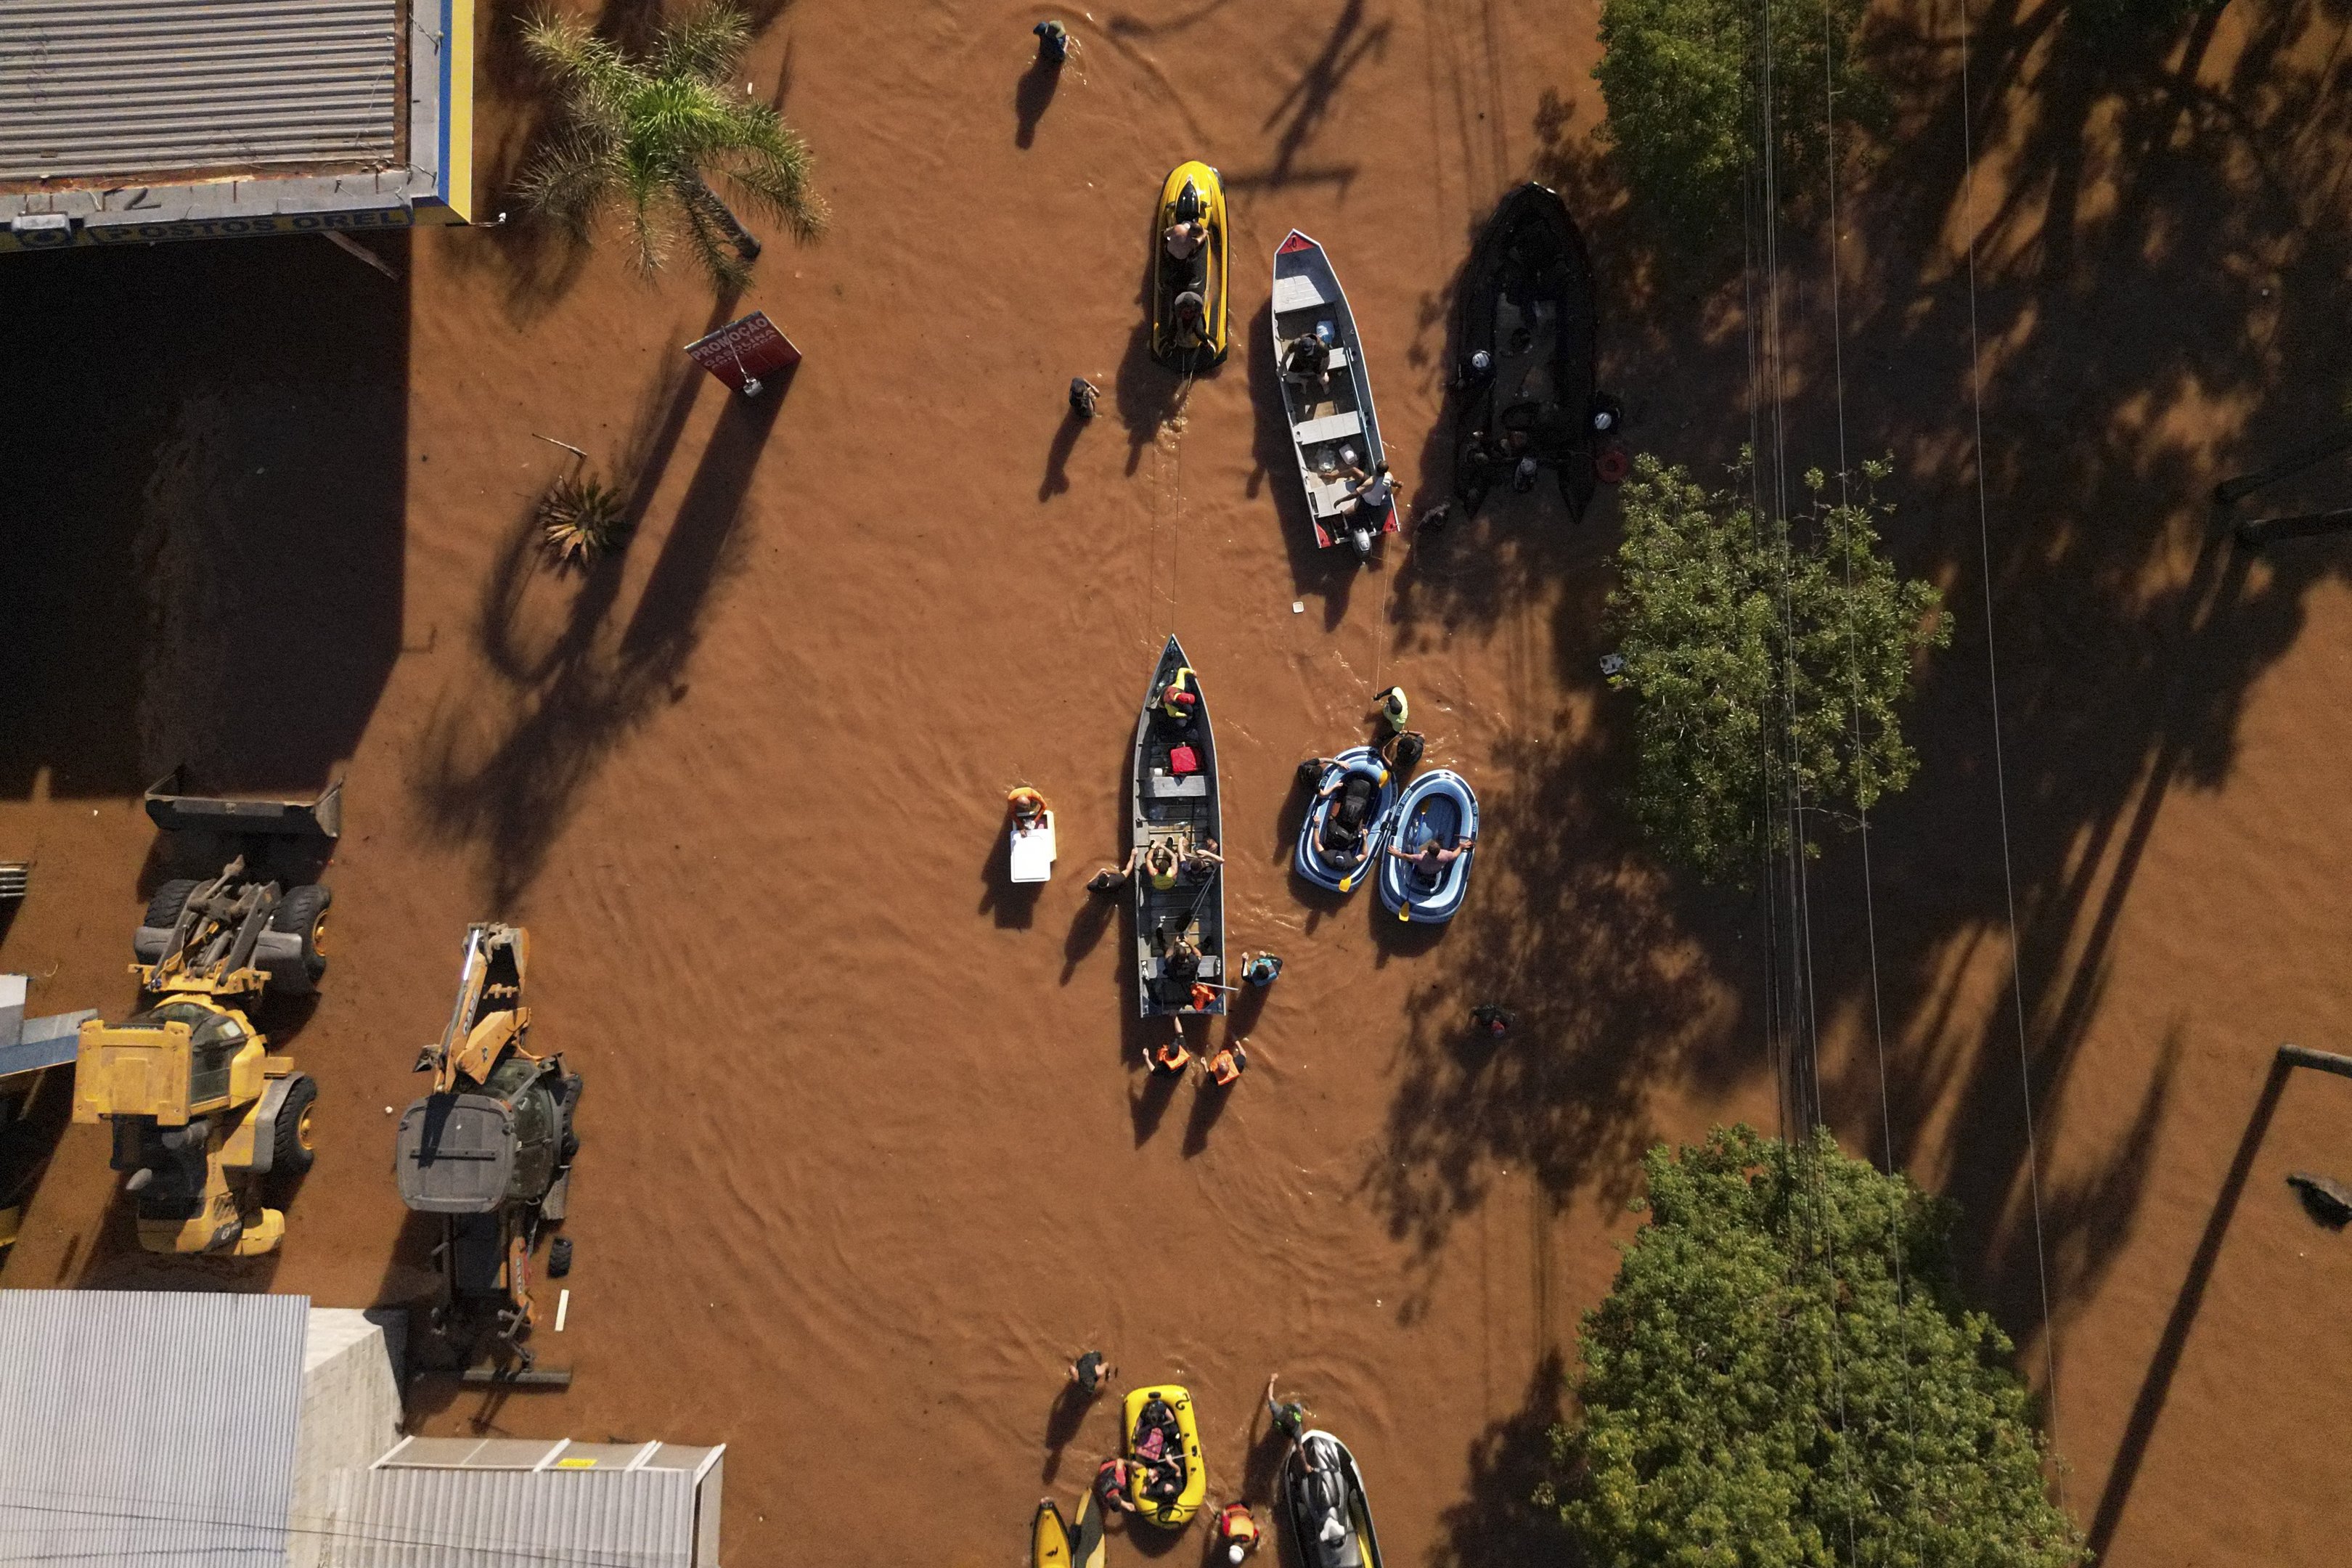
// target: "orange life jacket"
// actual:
[[1234, 1523]]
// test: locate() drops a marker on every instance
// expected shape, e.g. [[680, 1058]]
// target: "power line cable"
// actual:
[[2000, 772]]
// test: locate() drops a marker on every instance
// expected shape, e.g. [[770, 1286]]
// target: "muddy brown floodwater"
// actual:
[[869, 1153]]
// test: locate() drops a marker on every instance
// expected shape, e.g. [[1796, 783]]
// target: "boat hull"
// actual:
[[1180, 806], [1528, 274], [1334, 416]]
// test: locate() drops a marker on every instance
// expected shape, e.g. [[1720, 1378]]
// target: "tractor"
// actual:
[[202, 1109], [490, 1151]]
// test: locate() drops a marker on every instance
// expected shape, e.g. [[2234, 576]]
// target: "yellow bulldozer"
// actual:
[[490, 1151], [203, 1113]]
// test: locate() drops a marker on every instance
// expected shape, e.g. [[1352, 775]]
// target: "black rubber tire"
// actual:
[[164, 908], [573, 1083], [292, 1154], [559, 1258], [303, 913]]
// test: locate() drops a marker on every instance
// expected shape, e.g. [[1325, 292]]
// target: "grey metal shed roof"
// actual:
[[97, 88], [140, 1427], [396, 1516]]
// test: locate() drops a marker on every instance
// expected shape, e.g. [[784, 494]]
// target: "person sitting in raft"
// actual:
[[1201, 858], [1343, 829], [1191, 319], [1429, 860], [1308, 358], [1185, 238], [1179, 966]]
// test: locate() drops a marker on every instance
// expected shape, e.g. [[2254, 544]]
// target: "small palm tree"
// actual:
[[652, 134], [584, 517]]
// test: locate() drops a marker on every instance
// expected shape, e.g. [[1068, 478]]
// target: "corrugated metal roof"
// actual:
[[138, 1428], [403, 1517], [91, 88]]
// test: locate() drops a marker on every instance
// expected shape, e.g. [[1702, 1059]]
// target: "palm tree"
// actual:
[[652, 134]]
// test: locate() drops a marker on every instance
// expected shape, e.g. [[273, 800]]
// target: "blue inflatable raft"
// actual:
[[1336, 870], [1437, 807]]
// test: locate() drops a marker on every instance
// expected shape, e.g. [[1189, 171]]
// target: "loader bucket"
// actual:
[[172, 812]]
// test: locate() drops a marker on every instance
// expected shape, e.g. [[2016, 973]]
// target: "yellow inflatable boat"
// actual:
[[1167, 1408], [1191, 339]]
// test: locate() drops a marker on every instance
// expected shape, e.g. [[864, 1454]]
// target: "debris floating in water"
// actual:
[[1297, 606]]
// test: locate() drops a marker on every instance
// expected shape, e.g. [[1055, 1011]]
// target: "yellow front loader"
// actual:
[[203, 1111]]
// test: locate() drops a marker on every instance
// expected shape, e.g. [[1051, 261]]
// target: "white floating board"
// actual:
[[1032, 852]]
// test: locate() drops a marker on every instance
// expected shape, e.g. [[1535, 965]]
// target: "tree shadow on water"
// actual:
[[501, 769], [2157, 281], [1615, 991], [1498, 1525]]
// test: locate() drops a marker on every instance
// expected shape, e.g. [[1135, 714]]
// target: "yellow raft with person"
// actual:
[[1148, 1488], [1188, 291]]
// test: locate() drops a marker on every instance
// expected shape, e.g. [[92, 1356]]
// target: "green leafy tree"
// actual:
[[1762, 663], [652, 135], [1783, 1376], [1683, 79]]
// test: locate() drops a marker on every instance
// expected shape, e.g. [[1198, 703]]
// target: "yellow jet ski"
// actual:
[[1162, 1434], [1188, 292], [1052, 1544]]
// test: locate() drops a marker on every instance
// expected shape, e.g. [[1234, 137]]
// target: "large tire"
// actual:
[[292, 1152], [303, 913], [164, 908], [573, 1083]]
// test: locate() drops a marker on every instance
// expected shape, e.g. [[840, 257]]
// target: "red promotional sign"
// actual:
[[744, 351]]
